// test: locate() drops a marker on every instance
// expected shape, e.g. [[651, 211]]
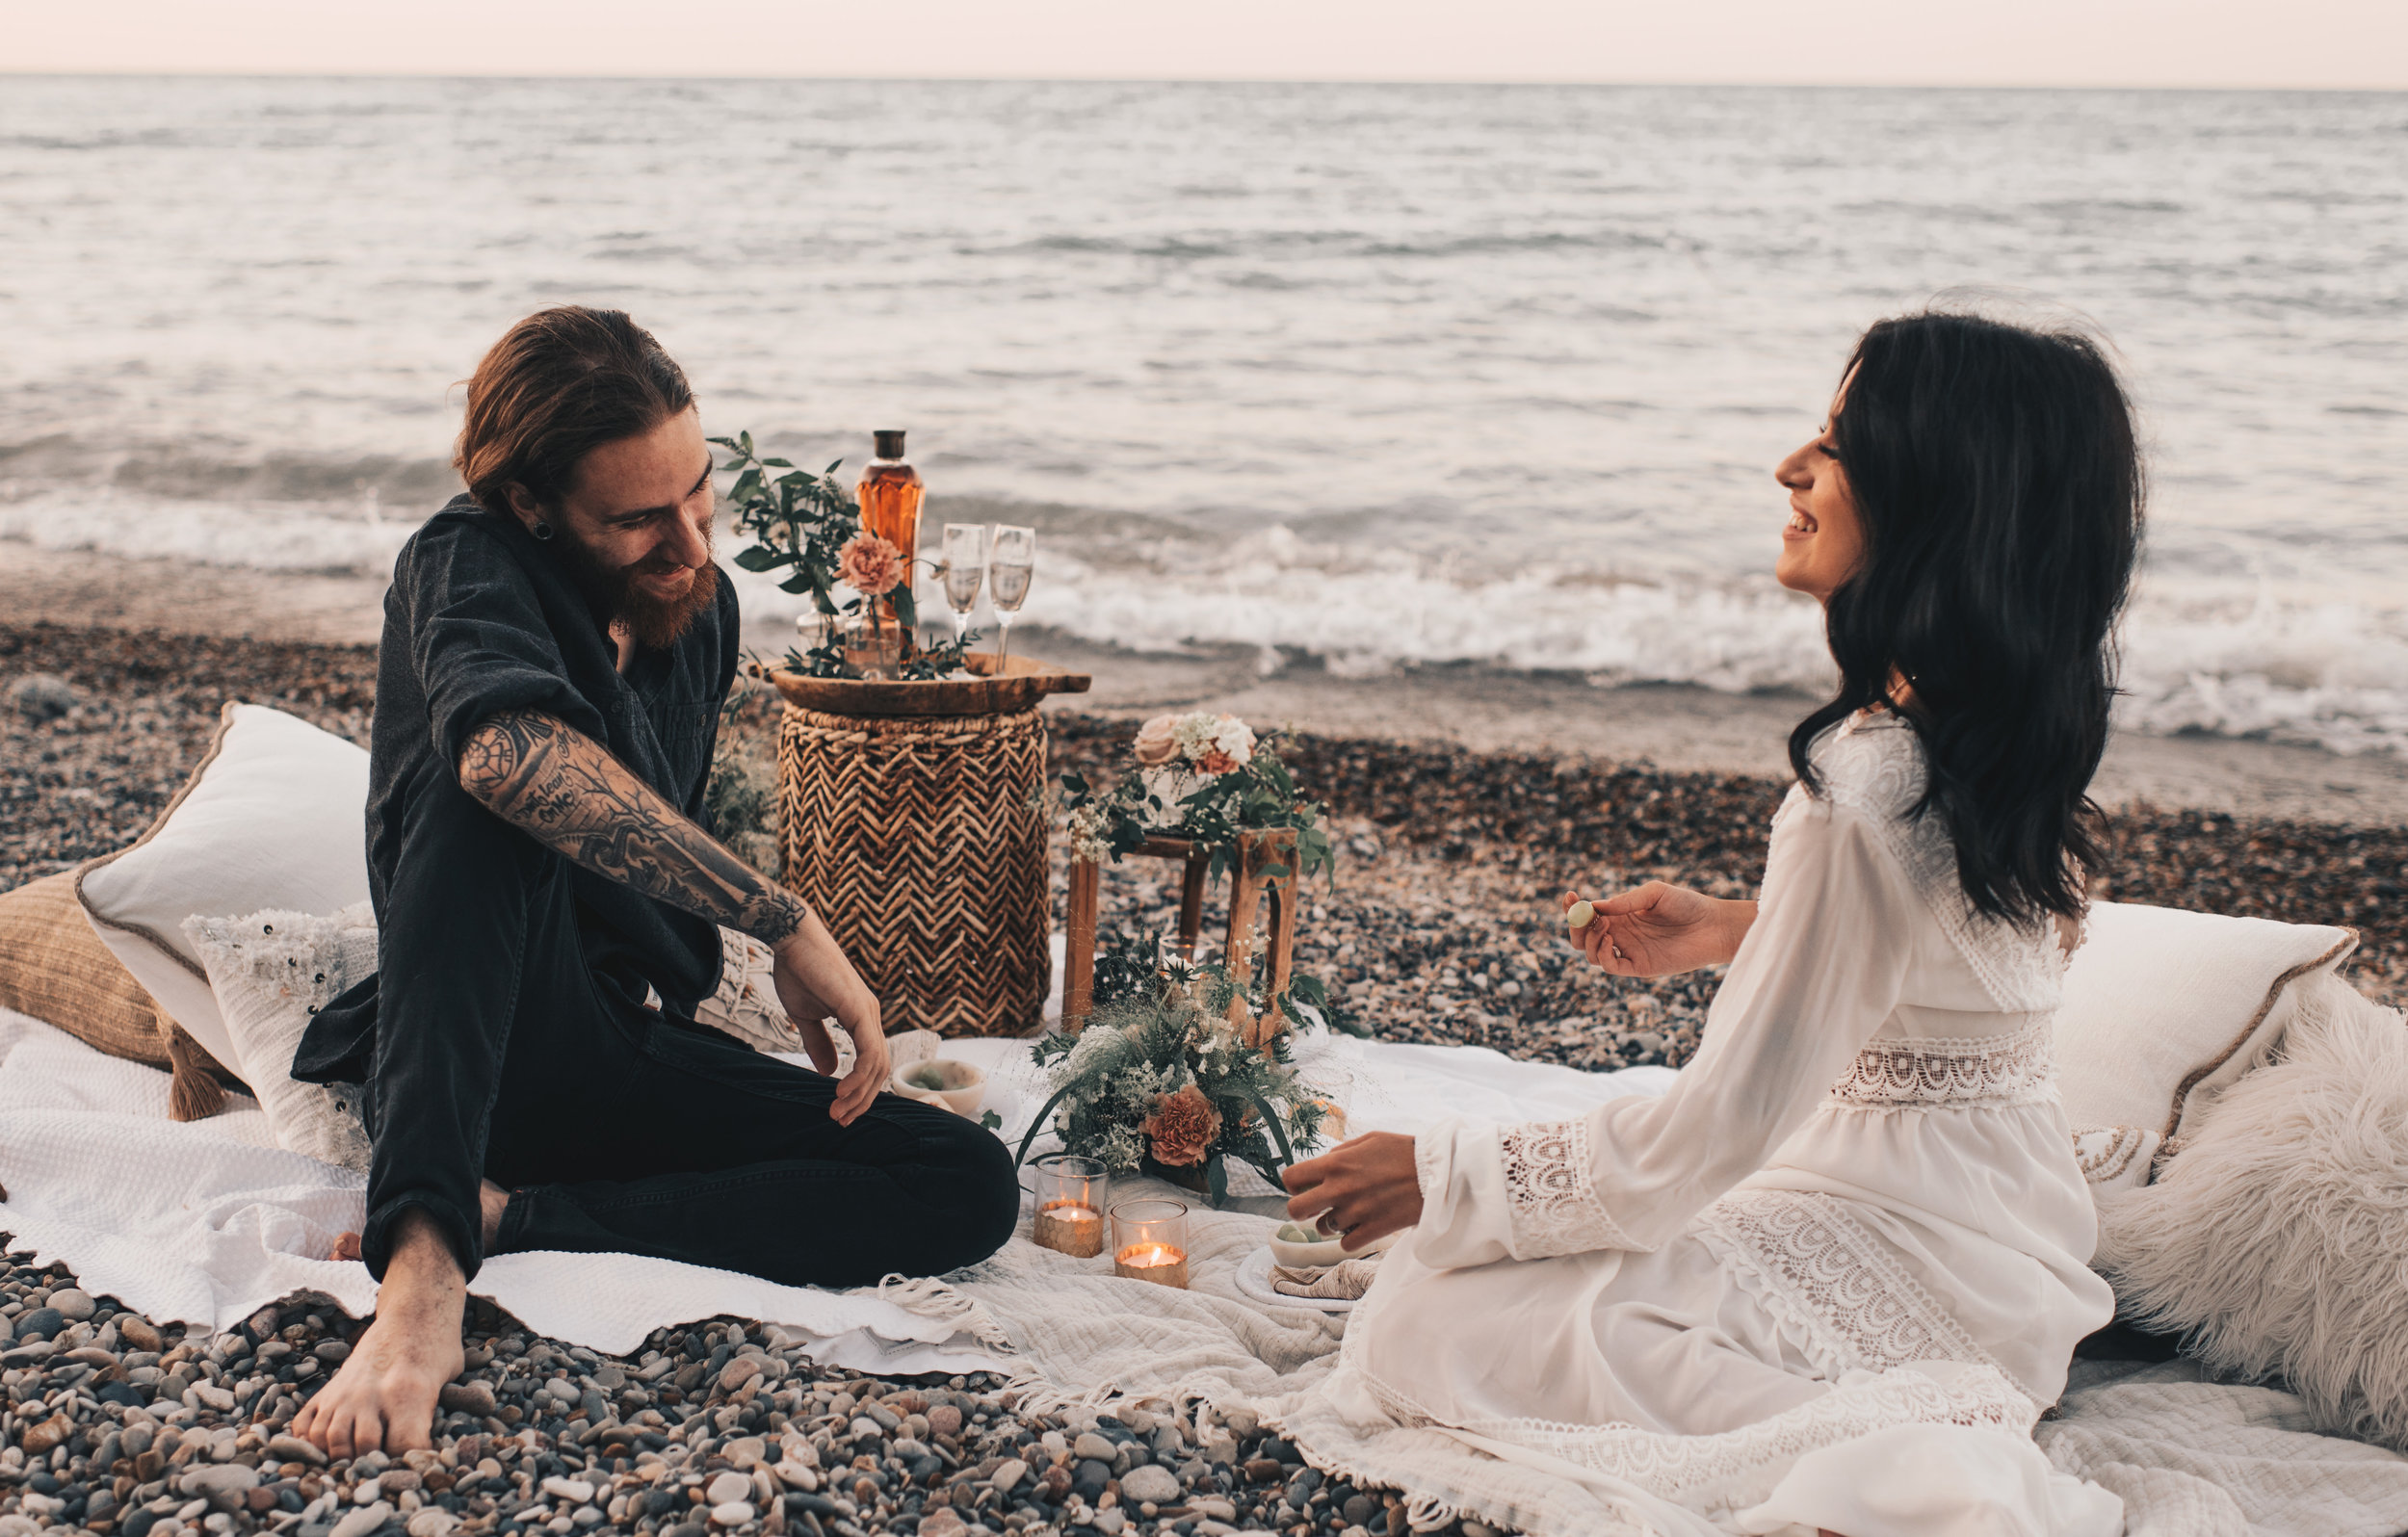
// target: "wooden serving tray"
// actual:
[[1022, 683]]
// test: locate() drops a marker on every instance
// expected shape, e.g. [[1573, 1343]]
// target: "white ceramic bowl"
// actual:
[[1326, 1250], [958, 1086]]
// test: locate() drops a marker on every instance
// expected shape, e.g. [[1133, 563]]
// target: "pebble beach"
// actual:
[[1440, 928]]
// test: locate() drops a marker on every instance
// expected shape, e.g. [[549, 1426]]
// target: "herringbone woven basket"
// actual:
[[921, 840]]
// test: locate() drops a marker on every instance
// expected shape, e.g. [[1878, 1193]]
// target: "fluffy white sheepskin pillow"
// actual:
[[2277, 1233]]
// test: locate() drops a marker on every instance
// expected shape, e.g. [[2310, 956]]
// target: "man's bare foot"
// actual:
[[384, 1396], [491, 1199]]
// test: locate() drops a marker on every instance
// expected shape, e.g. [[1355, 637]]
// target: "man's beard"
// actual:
[[654, 622]]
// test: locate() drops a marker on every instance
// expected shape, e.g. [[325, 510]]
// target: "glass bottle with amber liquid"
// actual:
[[890, 494]]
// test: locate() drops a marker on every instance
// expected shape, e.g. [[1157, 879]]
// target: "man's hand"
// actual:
[[817, 983], [1365, 1188], [1658, 930]]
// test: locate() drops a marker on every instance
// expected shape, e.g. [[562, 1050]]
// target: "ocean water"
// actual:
[[1367, 377]]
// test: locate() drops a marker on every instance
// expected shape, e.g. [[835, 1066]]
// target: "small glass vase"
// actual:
[[873, 644]]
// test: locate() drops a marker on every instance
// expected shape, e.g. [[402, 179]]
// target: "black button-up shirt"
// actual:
[[482, 618]]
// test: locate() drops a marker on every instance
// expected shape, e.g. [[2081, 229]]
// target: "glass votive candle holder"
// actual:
[[1150, 1241], [1071, 1196]]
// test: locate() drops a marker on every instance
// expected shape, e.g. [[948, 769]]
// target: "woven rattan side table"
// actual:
[[914, 823]]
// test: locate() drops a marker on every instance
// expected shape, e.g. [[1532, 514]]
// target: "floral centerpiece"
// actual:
[[811, 525], [1207, 779], [1160, 1083]]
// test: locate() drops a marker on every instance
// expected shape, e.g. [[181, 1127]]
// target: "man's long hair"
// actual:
[[558, 385], [1997, 474]]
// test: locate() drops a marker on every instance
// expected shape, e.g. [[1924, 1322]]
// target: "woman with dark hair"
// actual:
[[1832, 1277]]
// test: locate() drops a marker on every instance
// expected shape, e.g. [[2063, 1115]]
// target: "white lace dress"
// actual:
[[1858, 1211]]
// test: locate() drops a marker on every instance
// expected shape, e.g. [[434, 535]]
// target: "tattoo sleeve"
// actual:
[[564, 789]]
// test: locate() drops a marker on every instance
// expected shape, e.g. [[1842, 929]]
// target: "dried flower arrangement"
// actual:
[[1160, 1083]]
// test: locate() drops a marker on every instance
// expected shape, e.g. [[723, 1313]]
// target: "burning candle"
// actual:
[[1150, 1242], [1068, 1228], [1158, 1262], [1070, 1205]]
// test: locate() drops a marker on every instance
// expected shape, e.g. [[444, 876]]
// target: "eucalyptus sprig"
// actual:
[[797, 519]]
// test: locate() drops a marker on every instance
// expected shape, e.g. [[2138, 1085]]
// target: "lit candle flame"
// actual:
[[1146, 1255]]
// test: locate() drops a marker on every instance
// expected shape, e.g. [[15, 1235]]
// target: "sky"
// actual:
[[2314, 44]]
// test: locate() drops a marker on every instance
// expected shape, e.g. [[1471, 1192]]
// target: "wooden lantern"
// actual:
[[1250, 886]]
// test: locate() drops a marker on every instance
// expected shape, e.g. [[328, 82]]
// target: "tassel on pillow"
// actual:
[[194, 1093]]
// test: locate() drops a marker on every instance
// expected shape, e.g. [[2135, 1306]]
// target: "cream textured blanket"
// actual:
[[204, 1222]]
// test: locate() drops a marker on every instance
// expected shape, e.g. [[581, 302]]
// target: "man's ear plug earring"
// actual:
[[544, 530]]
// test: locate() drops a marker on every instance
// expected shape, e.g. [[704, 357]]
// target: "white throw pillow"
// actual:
[[271, 972], [274, 817], [2277, 1239], [2162, 1009]]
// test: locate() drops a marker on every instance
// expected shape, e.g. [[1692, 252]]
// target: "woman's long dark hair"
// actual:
[[1998, 476]]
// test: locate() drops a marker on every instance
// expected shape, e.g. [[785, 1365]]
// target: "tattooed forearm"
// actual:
[[566, 790]]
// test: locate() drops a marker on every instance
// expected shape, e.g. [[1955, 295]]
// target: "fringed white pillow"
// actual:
[[2277, 1236], [271, 973]]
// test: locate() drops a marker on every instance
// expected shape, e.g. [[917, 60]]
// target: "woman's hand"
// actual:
[[1658, 929], [1365, 1188]]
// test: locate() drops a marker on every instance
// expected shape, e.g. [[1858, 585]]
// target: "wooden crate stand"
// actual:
[[1251, 888]]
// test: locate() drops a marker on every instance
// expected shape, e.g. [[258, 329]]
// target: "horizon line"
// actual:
[[1498, 82]]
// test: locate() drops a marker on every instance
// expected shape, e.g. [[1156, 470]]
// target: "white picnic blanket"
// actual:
[[205, 1222]]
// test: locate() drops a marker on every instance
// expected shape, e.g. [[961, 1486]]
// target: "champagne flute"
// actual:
[[1011, 561], [965, 566]]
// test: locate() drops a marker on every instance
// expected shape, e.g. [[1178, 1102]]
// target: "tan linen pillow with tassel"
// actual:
[[54, 968]]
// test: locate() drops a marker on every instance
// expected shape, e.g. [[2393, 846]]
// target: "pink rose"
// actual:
[[870, 566], [1157, 744]]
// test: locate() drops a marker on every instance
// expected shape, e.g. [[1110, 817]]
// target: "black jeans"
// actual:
[[500, 1053]]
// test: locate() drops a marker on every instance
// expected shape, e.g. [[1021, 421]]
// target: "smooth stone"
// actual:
[[433, 1521], [887, 1420], [1241, 1422], [576, 1491], [1150, 1484], [735, 1513], [361, 1520], [39, 1323], [220, 1478], [1109, 1522], [739, 1371], [471, 1397], [945, 1420], [745, 1450], [41, 696], [51, 1433], [292, 1448], [728, 1487], [943, 1522], [867, 1429], [74, 1302], [1007, 1476], [137, 1333], [610, 1379], [1088, 1479], [1213, 1506], [794, 1476], [1359, 1509], [1091, 1445], [332, 1352]]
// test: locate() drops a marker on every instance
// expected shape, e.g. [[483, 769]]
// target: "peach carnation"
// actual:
[[1216, 762], [1157, 742], [870, 566], [1182, 1127]]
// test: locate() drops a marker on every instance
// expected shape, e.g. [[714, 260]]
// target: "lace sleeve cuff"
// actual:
[[1551, 1192]]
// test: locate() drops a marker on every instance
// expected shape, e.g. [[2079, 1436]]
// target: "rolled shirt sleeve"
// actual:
[[480, 642], [1820, 970]]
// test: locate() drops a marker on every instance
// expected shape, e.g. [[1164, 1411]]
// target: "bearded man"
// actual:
[[557, 648]]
